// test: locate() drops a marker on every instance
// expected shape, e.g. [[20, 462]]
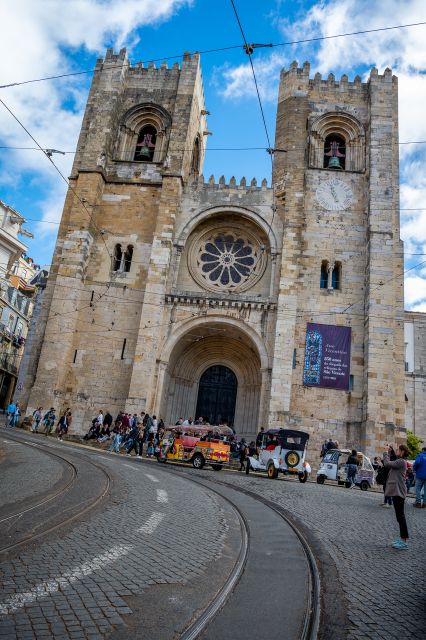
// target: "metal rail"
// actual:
[[45, 531]]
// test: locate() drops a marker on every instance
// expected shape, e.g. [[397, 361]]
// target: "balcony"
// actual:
[[6, 335], [10, 362]]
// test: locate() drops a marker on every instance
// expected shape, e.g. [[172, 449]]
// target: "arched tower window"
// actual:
[[331, 275], [334, 152], [145, 145], [144, 134], [324, 275], [122, 260], [195, 162], [336, 276], [116, 261], [128, 254], [336, 141]]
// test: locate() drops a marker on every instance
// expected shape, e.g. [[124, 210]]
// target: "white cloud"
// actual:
[[415, 290], [401, 49], [419, 307], [41, 38], [237, 82]]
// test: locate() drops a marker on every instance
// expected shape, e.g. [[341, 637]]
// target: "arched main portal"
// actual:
[[195, 363], [217, 395]]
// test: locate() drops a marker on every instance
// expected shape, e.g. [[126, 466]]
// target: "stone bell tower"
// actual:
[[141, 140], [337, 190]]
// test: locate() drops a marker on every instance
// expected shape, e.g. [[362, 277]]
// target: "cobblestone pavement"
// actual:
[[21, 479], [385, 589], [74, 585]]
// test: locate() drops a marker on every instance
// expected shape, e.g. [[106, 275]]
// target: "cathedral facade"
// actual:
[[246, 303]]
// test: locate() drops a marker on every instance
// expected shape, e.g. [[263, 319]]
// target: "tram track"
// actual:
[[51, 500], [313, 611], [51, 496], [207, 618]]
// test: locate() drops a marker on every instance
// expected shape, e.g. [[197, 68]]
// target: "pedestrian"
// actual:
[[381, 478], [37, 415], [330, 445], [397, 490], [323, 449], [419, 467], [376, 464], [104, 434], [409, 478], [155, 424], [49, 421], [116, 440], [259, 437], [151, 448], [107, 422], [12, 414], [352, 468], [62, 427], [140, 439], [132, 442], [243, 454], [188, 422]]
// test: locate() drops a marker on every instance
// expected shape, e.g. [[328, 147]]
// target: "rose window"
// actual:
[[228, 260]]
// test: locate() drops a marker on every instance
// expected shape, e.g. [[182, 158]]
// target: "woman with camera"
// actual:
[[396, 489]]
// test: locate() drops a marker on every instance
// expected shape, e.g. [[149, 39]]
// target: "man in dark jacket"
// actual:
[[419, 468], [107, 420], [133, 440]]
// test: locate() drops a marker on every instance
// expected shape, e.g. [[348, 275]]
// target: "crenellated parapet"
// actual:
[[143, 68], [296, 81], [200, 183]]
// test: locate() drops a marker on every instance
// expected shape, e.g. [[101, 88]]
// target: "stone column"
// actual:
[[384, 341], [289, 177]]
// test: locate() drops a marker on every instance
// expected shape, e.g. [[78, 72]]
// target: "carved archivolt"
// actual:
[[143, 115], [345, 126]]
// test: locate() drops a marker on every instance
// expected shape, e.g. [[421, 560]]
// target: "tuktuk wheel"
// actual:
[[272, 471], [198, 461], [364, 485], [217, 467], [348, 484], [303, 477], [320, 479], [292, 459]]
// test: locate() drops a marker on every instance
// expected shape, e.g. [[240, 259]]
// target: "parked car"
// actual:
[[282, 450]]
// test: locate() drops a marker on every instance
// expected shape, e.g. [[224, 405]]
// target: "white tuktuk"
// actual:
[[282, 450], [334, 467]]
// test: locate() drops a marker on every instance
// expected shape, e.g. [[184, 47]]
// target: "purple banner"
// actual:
[[327, 356]]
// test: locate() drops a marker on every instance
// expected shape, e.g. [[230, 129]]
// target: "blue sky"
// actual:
[[47, 37]]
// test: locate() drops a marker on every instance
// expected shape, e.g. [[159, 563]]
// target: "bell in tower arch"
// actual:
[[334, 156]]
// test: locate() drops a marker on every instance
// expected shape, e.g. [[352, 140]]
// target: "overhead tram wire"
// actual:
[[248, 49], [71, 188], [219, 49], [294, 147]]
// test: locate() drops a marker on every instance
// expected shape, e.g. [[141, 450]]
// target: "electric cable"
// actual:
[[219, 49]]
